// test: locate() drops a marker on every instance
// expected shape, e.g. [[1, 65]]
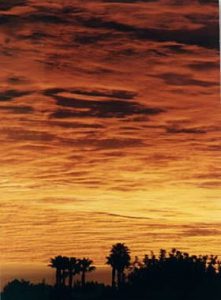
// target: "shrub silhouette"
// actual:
[[24, 290]]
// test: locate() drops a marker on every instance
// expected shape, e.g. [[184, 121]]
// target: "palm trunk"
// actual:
[[63, 278], [118, 279], [70, 282], [113, 277], [123, 277], [83, 278], [57, 278]]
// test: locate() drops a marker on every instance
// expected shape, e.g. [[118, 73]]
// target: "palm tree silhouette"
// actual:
[[85, 266], [64, 268], [119, 260], [112, 262], [57, 263], [73, 269]]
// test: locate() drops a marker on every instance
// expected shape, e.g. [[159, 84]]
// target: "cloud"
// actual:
[[10, 95], [115, 143], [129, 1], [75, 125], [103, 144], [47, 18], [87, 38], [108, 109], [122, 216], [214, 148], [104, 104], [177, 79], [120, 94], [208, 2], [6, 19], [35, 36], [18, 109], [176, 48], [186, 130], [29, 135], [58, 201], [210, 184], [204, 66], [202, 232], [15, 80], [9, 4], [205, 36]]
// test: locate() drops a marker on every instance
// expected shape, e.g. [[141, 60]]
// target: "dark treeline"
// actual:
[[174, 275]]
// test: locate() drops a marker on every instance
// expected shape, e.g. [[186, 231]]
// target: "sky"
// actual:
[[110, 129]]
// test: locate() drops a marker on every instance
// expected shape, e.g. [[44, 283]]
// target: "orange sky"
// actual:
[[110, 128]]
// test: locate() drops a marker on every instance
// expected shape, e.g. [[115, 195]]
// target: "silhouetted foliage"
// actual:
[[119, 260], [24, 290], [57, 263], [175, 271], [174, 275], [69, 267], [73, 269], [85, 266]]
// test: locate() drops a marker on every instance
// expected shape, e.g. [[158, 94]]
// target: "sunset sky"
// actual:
[[110, 128]]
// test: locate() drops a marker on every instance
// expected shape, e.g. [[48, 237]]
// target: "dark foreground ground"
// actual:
[[23, 290]]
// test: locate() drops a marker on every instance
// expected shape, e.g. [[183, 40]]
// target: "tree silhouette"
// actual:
[[178, 271], [119, 260], [25, 290], [64, 267], [73, 269], [69, 267], [85, 266], [170, 275], [57, 263], [112, 263]]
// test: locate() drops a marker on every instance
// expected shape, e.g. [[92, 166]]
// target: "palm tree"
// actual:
[[73, 269], [111, 261], [85, 266], [57, 263], [64, 268], [119, 260]]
